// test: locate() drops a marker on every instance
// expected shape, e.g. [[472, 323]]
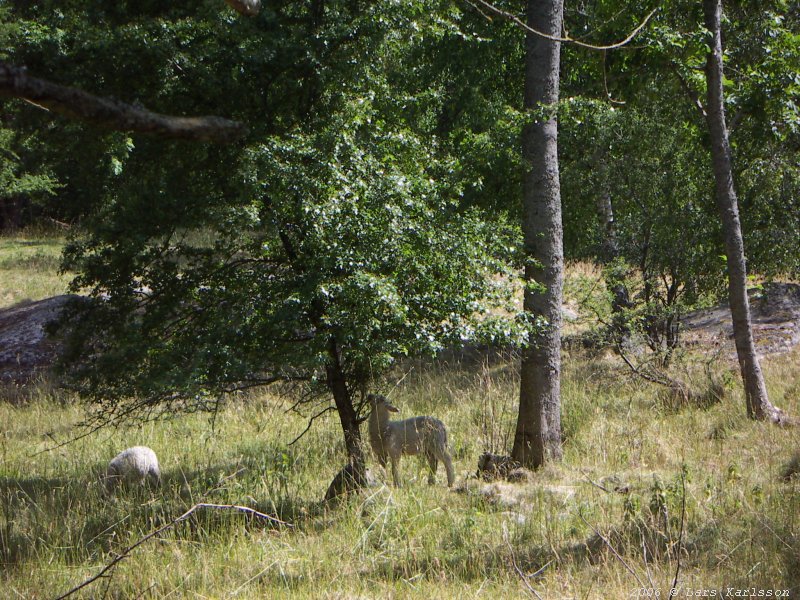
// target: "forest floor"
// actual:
[[650, 492]]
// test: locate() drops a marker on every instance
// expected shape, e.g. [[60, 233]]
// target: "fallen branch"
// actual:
[[113, 114], [519, 571], [647, 376], [614, 552], [676, 386], [597, 485], [126, 552]]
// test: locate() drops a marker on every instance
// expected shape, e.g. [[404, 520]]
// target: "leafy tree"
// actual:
[[19, 188], [336, 240], [633, 194], [23, 183], [641, 155]]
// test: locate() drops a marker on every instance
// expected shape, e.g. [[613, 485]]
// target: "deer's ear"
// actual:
[[391, 408]]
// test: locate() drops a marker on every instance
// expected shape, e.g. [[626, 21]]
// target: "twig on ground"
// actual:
[[597, 485], [126, 552], [614, 551], [519, 571], [643, 374]]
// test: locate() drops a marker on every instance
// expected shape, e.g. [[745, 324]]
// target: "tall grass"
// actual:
[[740, 524], [646, 488], [29, 265]]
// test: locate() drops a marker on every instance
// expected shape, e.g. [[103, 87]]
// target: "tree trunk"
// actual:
[[758, 404], [538, 434], [343, 399], [609, 253]]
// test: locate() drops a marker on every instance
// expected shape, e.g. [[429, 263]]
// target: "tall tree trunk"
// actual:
[[538, 434], [758, 404]]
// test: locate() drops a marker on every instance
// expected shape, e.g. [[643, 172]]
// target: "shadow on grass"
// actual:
[[77, 519], [34, 263]]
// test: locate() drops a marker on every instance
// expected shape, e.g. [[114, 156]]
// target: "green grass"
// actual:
[[29, 263], [742, 524]]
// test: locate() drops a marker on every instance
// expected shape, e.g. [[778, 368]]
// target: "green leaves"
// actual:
[[343, 218]]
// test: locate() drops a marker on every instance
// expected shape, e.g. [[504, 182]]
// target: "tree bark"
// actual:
[[538, 433], [342, 397], [113, 114], [609, 252], [758, 404]]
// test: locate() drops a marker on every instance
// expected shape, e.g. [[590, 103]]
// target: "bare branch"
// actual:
[[643, 374], [114, 114], [690, 91], [311, 422], [555, 38], [595, 484], [126, 552], [613, 551]]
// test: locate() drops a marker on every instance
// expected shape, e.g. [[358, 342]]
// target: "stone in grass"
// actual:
[[791, 470], [496, 466], [346, 481]]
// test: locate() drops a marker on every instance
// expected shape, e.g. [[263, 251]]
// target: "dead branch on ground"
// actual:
[[126, 552]]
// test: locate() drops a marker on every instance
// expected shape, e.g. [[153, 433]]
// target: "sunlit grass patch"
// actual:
[[29, 267], [630, 469]]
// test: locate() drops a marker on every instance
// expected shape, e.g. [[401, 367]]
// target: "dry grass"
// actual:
[[741, 525], [29, 264], [600, 525]]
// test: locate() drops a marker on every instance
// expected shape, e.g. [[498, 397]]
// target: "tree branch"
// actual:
[[555, 38], [114, 114], [325, 410], [693, 95]]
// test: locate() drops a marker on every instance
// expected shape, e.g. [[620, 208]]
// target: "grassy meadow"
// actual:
[[645, 490], [29, 267]]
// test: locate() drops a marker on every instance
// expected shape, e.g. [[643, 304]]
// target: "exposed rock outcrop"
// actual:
[[775, 314], [26, 350]]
